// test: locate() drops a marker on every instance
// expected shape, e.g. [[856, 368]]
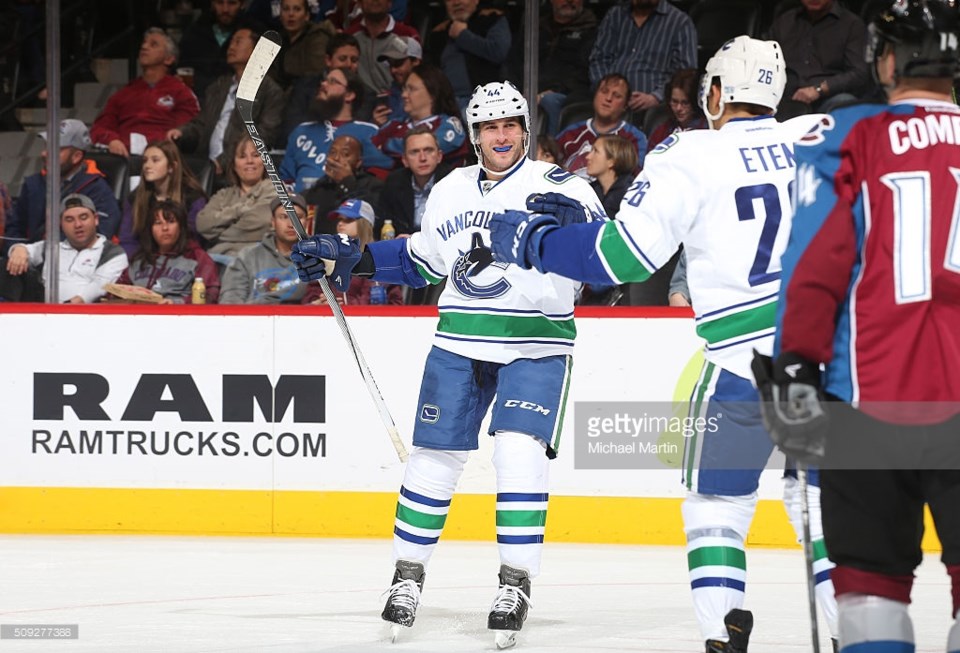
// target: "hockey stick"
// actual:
[[266, 50], [808, 555]]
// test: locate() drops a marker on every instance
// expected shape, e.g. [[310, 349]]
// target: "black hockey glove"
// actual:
[[792, 405]]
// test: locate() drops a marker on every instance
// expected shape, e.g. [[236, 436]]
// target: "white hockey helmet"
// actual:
[[750, 70], [492, 101]]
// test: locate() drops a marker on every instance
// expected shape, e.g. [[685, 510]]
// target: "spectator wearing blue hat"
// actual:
[[355, 219]]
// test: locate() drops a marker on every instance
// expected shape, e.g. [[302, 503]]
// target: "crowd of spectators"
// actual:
[[363, 112]]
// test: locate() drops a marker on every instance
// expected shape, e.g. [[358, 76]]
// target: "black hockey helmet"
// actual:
[[924, 36]]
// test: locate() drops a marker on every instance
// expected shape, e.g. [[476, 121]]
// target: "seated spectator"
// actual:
[[305, 160], [471, 46], [548, 150], [263, 273], [355, 218], [147, 108], [344, 178], [373, 30], [612, 163], [609, 109], [428, 100], [87, 260], [406, 190], [218, 127], [645, 41], [27, 220], [267, 12], [162, 177], [823, 47], [346, 13], [304, 43], [343, 53], [203, 44], [566, 39], [685, 112], [238, 216], [401, 55], [168, 259]]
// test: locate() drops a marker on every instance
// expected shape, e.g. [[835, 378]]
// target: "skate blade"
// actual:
[[506, 638], [395, 630]]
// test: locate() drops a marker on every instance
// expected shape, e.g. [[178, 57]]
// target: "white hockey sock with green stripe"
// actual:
[[428, 484], [716, 527], [821, 563], [522, 493]]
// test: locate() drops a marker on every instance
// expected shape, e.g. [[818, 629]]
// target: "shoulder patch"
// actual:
[[666, 143], [816, 134], [557, 175]]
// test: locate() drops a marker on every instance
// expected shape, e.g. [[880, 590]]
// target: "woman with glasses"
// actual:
[[685, 112]]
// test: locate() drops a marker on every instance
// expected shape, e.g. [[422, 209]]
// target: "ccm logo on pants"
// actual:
[[526, 405]]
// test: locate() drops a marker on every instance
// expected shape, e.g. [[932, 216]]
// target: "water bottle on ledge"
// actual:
[[378, 293]]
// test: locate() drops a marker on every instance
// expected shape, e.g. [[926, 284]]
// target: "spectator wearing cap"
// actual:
[[345, 179], [87, 260], [27, 220], [262, 273], [147, 108], [239, 215], [355, 219], [400, 56], [373, 32]]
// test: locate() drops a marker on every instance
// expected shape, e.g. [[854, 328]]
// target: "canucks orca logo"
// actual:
[[470, 264]]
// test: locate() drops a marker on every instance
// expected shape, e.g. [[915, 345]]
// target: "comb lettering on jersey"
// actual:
[[764, 158], [920, 133]]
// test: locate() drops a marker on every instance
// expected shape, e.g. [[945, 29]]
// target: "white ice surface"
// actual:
[[146, 593]]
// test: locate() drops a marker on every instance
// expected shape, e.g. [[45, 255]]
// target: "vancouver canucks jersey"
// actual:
[[731, 211], [725, 195], [502, 312]]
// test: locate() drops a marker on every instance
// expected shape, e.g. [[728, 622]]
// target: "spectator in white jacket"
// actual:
[[88, 261]]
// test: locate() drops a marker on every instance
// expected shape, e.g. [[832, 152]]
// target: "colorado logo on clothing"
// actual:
[[816, 134], [166, 102]]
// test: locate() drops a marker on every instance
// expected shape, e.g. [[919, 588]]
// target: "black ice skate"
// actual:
[[403, 597], [739, 623], [510, 607]]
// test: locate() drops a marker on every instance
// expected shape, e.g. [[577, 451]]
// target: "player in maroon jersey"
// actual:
[[871, 289]]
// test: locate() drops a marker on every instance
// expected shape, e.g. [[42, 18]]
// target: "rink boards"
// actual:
[[237, 420]]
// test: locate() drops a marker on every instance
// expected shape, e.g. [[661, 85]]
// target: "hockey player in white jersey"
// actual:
[[505, 338], [725, 194]]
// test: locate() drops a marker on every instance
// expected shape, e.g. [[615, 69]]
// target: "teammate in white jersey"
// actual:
[[504, 338], [725, 194]]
